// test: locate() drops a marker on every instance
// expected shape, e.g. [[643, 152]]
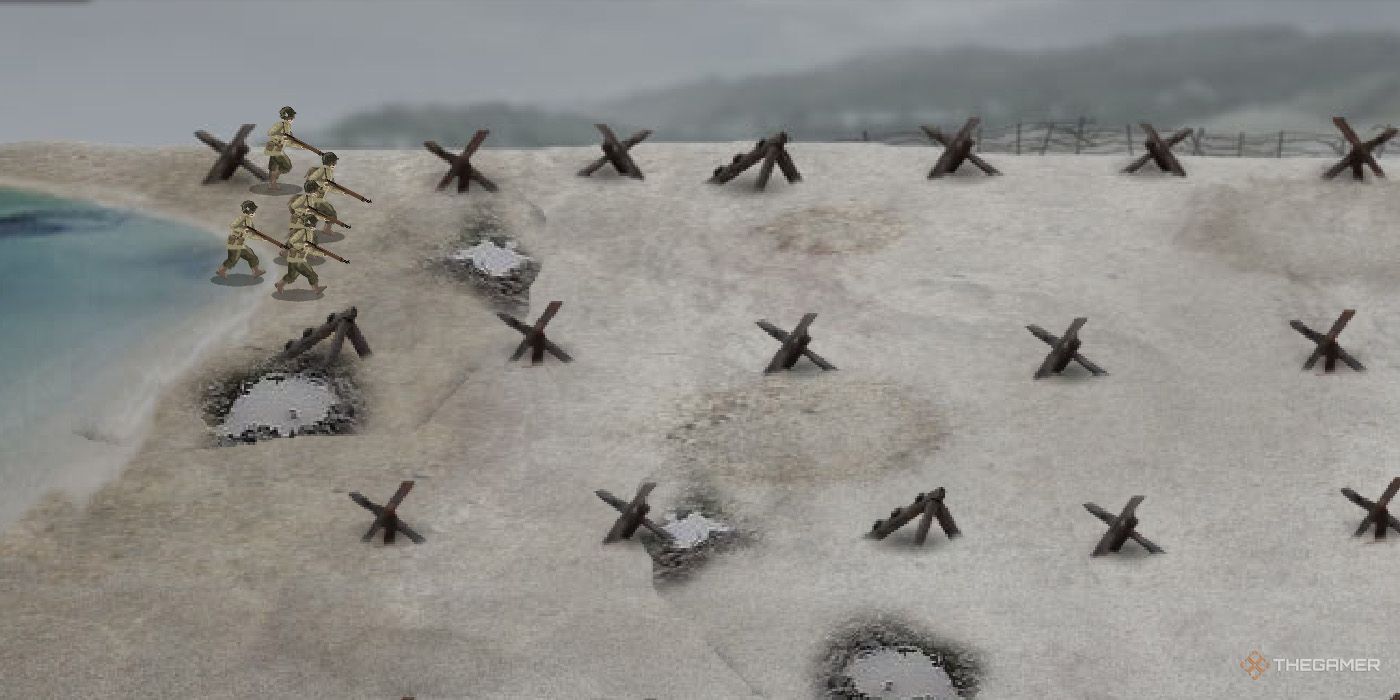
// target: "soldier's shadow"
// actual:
[[297, 295], [329, 236], [312, 260], [236, 280]]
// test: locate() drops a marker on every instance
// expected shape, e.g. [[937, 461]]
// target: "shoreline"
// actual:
[[125, 424]]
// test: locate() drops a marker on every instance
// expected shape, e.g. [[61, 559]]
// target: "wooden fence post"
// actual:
[[1280, 143], [1239, 150], [1049, 129], [1078, 135], [1018, 138], [1128, 129], [1196, 140]]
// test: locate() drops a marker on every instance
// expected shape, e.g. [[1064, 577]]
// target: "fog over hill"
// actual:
[[1259, 78]]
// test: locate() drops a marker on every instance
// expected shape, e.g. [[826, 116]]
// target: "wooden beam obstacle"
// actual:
[[535, 339], [617, 153], [232, 155], [460, 166], [632, 515], [957, 149], [1327, 346], [1377, 513], [1063, 350], [794, 346], [387, 516], [341, 325], [1359, 153], [1159, 151], [770, 151], [929, 505], [1121, 528]]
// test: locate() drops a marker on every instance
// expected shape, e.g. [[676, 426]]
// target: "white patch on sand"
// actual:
[[904, 673], [691, 530], [492, 259], [286, 404]]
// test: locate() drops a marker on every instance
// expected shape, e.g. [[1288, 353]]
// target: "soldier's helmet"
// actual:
[[312, 187], [308, 220], [287, 112], [329, 158], [249, 206]]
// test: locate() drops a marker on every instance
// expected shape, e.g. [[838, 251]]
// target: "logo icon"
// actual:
[[1255, 665]]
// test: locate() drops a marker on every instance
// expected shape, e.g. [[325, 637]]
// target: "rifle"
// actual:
[[284, 247], [304, 144], [331, 219], [322, 216], [348, 191]]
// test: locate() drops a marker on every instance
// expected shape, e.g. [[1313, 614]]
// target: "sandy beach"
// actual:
[[238, 572]]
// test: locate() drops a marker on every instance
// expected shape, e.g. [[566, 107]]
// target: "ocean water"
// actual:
[[99, 310]]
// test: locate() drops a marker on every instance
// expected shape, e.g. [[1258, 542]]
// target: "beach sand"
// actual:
[[238, 572]]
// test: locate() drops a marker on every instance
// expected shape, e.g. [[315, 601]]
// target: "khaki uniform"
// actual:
[[323, 174], [276, 141], [237, 243], [298, 248], [307, 203]]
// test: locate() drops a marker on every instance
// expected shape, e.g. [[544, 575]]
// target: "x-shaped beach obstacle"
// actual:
[[1377, 513], [1327, 344], [1121, 528], [340, 325], [616, 152], [957, 149], [794, 346], [930, 505], [771, 151], [633, 515], [1159, 151], [535, 339], [387, 516], [1063, 350], [461, 164], [1360, 153], [232, 155]]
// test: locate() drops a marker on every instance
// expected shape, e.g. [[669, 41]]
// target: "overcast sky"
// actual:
[[152, 71]]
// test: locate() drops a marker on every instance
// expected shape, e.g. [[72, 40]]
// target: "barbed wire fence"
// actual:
[[1085, 136]]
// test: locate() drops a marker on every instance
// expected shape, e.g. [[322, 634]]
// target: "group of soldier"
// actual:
[[307, 210]]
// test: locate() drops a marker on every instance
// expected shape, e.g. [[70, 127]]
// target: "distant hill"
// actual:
[[1254, 78], [402, 126]]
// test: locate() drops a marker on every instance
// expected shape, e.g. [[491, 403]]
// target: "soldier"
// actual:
[[277, 161], [298, 247], [325, 172], [312, 201], [237, 245]]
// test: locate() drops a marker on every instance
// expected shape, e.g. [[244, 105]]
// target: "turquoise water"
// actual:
[[83, 291]]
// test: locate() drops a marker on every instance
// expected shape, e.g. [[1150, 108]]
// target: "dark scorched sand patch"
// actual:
[[834, 428], [832, 229], [1249, 227]]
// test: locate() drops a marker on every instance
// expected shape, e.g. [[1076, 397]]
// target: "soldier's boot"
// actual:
[[272, 176], [258, 272], [318, 288], [222, 271], [327, 229], [280, 284]]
